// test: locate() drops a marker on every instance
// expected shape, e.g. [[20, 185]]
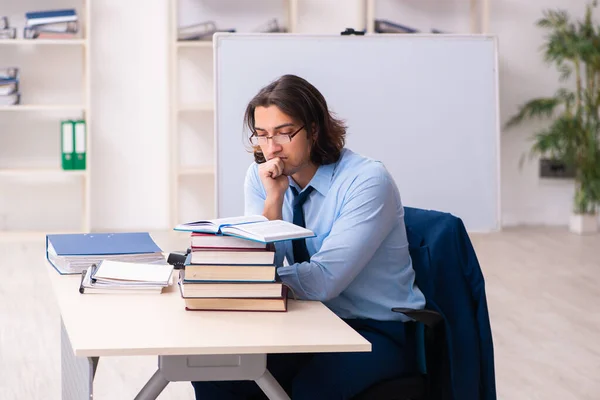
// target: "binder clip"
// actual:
[[177, 260], [351, 31]]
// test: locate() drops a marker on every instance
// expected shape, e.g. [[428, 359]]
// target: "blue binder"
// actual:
[[51, 13], [100, 244]]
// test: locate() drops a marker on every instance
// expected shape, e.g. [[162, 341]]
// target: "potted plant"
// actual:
[[573, 135]]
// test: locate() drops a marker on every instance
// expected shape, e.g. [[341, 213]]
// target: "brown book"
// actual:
[[278, 304], [209, 240], [237, 289], [233, 257], [233, 273]]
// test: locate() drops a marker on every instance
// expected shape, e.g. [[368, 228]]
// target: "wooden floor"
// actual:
[[543, 287]]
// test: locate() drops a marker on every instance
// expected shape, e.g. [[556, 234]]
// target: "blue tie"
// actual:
[[299, 245]]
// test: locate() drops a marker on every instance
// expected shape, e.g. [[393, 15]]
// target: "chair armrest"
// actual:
[[427, 317]]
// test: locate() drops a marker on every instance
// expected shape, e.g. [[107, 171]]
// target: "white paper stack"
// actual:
[[124, 277]]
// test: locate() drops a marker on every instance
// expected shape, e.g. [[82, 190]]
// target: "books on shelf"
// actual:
[[73, 253], [9, 87], [125, 277], [10, 99], [385, 26], [271, 26], [9, 74], [36, 18], [51, 24], [253, 227], [6, 32], [200, 31]]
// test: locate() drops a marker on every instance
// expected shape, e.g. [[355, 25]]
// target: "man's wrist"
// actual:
[[275, 199], [273, 206]]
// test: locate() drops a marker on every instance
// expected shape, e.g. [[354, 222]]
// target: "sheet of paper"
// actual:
[[124, 271]]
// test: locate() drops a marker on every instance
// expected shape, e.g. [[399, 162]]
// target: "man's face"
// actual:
[[272, 122]]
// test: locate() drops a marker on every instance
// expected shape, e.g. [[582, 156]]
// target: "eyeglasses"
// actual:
[[281, 138]]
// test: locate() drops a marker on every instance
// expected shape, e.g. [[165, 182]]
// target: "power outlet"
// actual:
[[550, 168]]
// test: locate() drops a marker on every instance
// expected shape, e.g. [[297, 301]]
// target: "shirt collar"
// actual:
[[321, 181]]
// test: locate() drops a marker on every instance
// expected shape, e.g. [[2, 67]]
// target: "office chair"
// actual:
[[458, 359], [431, 351]]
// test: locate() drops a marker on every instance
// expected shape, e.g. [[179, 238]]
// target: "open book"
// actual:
[[253, 227]]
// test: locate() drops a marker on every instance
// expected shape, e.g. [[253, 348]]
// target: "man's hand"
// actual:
[[272, 178], [275, 183]]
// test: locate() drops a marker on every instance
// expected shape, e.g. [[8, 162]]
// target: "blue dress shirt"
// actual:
[[360, 266]]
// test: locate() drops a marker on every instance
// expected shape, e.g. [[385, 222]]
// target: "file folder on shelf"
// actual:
[[50, 16], [79, 156], [67, 143], [9, 75]]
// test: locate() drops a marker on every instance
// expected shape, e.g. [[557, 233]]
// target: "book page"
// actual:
[[269, 231], [213, 225], [239, 220], [124, 271]]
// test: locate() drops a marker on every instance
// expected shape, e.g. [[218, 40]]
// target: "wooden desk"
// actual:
[[191, 345]]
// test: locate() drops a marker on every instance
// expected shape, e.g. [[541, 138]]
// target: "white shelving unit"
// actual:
[[193, 181], [200, 178], [479, 15], [50, 172]]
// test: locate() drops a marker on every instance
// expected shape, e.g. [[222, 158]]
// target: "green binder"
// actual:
[[79, 155], [67, 143]]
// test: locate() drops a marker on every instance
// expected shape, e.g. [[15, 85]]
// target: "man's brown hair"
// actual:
[[300, 100]]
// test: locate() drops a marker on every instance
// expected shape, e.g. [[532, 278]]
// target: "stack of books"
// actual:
[[200, 31], [51, 24], [231, 265], [124, 277], [9, 87], [6, 32], [72, 253]]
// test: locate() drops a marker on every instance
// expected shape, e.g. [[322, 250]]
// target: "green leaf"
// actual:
[[541, 108]]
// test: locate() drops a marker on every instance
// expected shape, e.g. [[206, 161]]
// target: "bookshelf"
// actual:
[[479, 15], [40, 197], [43, 42], [192, 178]]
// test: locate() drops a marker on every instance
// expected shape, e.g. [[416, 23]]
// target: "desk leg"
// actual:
[[153, 387], [230, 367], [77, 373], [271, 387]]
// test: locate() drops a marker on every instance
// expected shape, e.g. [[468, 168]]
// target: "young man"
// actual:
[[358, 264]]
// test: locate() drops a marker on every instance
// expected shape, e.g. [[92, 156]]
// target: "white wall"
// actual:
[[130, 178]]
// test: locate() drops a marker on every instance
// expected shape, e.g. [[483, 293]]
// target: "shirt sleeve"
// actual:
[[368, 214], [254, 194]]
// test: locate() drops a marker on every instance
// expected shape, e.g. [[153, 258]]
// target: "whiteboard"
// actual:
[[424, 105]]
